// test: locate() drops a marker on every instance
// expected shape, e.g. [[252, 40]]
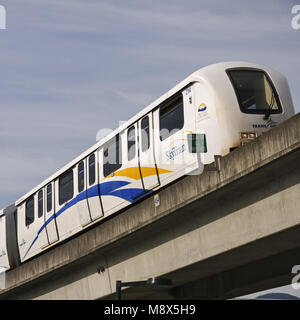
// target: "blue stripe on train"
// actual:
[[106, 189]]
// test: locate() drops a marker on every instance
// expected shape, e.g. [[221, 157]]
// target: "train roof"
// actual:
[[204, 73]]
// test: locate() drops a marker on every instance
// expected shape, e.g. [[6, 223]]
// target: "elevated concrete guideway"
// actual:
[[222, 234]]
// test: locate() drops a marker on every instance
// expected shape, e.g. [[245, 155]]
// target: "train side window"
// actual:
[[49, 197], [40, 203], [92, 171], [81, 176], [66, 187], [131, 143], [112, 155], [145, 134], [171, 118], [29, 211]]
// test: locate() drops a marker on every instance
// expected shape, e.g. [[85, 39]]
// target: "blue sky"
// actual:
[[71, 67]]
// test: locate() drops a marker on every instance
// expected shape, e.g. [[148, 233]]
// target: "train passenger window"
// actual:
[[92, 171], [131, 143], [145, 134], [29, 215], [112, 155], [66, 187], [81, 176], [49, 197], [40, 203], [255, 92], [171, 118]]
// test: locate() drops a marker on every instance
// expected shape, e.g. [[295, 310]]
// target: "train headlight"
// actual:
[[247, 137], [252, 135]]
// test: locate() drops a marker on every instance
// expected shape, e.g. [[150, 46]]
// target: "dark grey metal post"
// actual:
[[118, 289]]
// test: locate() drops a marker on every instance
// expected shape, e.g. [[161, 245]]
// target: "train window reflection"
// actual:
[[112, 155], [29, 211], [66, 187], [171, 118]]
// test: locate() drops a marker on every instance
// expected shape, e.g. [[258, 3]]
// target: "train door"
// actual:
[[175, 119], [66, 199], [82, 202], [115, 186], [131, 171], [32, 236], [148, 167], [93, 194], [50, 220]]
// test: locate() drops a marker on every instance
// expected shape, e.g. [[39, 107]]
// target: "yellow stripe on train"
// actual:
[[134, 172]]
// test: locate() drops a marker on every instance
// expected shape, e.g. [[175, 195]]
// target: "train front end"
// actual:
[[249, 99]]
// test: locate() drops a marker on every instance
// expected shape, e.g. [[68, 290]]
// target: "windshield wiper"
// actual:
[[268, 110]]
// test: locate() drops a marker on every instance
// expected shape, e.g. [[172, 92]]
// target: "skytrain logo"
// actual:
[[175, 152]]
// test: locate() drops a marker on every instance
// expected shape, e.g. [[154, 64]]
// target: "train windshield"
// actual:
[[255, 92]]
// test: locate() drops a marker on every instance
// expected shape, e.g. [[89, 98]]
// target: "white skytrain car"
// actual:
[[211, 112]]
